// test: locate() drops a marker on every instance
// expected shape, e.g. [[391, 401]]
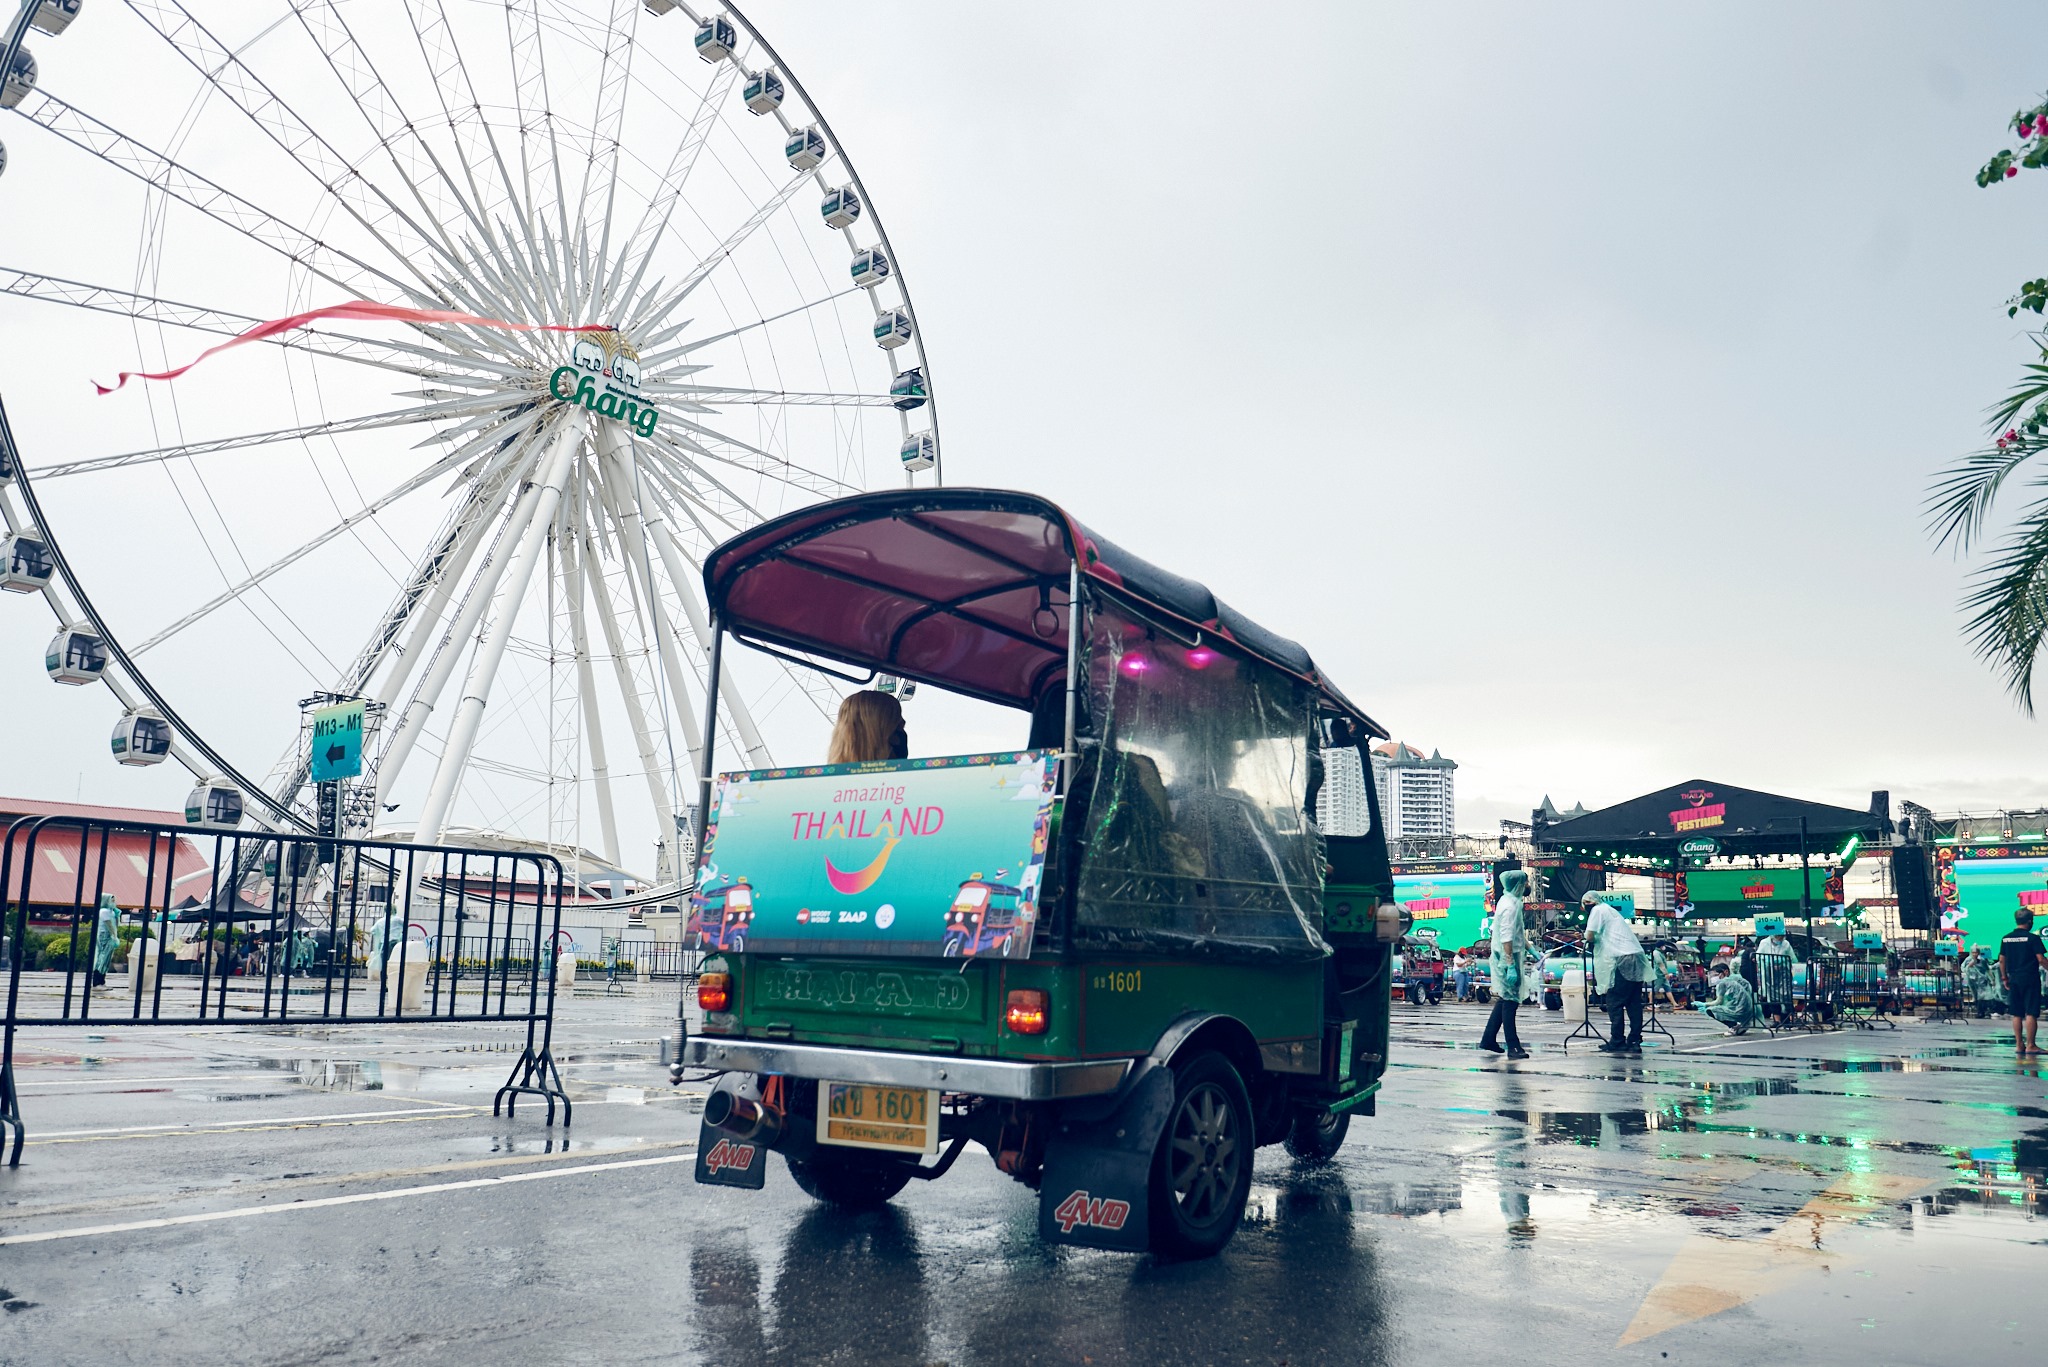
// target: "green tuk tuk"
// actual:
[[1193, 953]]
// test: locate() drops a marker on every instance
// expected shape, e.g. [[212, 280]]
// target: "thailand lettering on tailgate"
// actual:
[[726, 1154], [1082, 1209]]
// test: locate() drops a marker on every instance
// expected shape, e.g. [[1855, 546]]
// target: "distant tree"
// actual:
[[2008, 597]]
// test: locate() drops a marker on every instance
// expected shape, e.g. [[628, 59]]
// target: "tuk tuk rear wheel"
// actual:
[[855, 1180], [1317, 1134], [1202, 1167]]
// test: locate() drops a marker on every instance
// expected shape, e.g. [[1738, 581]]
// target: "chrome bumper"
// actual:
[[946, 1072]]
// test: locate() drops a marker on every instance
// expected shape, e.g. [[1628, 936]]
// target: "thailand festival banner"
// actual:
[[939, 857]]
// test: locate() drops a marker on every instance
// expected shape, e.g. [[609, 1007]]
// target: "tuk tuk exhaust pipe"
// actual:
[[743, 1118]]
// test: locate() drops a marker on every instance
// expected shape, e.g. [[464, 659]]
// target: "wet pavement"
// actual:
[[310, 1196]]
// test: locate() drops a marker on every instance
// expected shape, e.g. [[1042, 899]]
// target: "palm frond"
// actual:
[[2009, 605], [1962, 495], [2032, 389]]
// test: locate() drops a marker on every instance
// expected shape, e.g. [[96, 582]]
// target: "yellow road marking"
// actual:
[[1709, 1275]]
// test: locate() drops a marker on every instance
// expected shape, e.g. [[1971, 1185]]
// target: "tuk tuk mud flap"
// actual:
[[726, 1161], [1098, 1172]]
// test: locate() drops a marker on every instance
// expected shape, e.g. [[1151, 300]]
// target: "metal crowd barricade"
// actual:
[[1868, 998], [281, 930], [1935, 992]]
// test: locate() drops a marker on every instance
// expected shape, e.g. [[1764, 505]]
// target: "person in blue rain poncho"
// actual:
[[1734, 1004], [1507, 964], [105, 939], [1620, 969]]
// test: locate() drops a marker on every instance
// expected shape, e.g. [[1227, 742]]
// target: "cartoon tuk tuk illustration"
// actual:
[[724, 916], [983, 917]]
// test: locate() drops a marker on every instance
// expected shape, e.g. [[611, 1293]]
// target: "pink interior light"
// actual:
[[1135, 665], [1201, 657]]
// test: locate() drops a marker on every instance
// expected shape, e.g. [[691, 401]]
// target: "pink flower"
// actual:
[[2026, 128], [2011, 171]]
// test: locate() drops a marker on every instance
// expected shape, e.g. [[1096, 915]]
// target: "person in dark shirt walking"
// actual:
[[2020, 958]]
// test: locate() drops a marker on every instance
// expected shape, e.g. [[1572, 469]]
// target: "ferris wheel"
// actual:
[[487, 532]]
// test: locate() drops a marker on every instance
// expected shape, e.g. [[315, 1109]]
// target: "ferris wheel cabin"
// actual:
[[25, 564], [75, 656], [141, 737], [892, 329], [21, 78], [840, 207], [763, 92], [805, 149], [920, 451], [54, 16], [907, 390], [870, 267], [716, 38], [214, 804]]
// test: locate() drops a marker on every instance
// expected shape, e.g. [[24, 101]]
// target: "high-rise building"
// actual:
[[1418, 796]]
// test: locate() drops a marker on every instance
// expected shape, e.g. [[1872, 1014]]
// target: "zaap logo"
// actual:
[[726, 1154], [1082, 1209]]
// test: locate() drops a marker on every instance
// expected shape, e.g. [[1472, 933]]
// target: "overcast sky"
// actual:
[[1567, 378]]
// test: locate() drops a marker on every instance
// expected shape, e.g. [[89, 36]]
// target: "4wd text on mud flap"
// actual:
[[831, 990], [726, 1154], [1082, 1209]]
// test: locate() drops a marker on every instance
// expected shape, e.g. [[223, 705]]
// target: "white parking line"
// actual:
[[243, 1212], [201, 1127]]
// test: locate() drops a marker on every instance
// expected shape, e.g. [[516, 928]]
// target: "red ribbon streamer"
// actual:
[[361, 309]]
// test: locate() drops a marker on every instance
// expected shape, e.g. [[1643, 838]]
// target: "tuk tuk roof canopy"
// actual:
[[1738, 820], [963, 588]]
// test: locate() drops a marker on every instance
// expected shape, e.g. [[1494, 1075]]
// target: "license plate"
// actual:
[[858, 1116]]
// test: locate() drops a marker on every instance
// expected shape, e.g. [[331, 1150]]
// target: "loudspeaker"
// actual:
[[1915, 888]]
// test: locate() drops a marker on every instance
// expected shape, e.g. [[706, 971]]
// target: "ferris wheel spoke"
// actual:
[[163, 173], [150, 309], [339, 427], [368, 205], [704, 397], [709, 445], [457, 95], [394, 128], [607, 126], [654, 219], [749, 513], [530, 97], [655, 361], [235, 592], [652, 310]]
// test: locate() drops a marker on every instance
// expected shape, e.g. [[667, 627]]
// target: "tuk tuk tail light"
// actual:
[[1027, 1010], [714, 992]]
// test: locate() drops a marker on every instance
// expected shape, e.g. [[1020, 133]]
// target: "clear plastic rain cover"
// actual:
[[1196, 838]]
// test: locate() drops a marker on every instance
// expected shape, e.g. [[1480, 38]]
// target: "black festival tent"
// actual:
[[1738, 820]]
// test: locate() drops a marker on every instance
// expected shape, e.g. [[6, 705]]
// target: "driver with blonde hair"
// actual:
[[870, 727]]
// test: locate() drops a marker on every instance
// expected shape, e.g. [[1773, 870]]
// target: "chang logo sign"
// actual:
[[603, 375]]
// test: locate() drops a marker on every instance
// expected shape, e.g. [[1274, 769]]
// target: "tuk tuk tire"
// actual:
[[737, 944], [1413, 993], [1317, 1134], [851, 1180], [1436, 996], [951, 948], [1200, 1082]]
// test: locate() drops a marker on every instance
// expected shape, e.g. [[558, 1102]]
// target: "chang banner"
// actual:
[[912, 857]]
